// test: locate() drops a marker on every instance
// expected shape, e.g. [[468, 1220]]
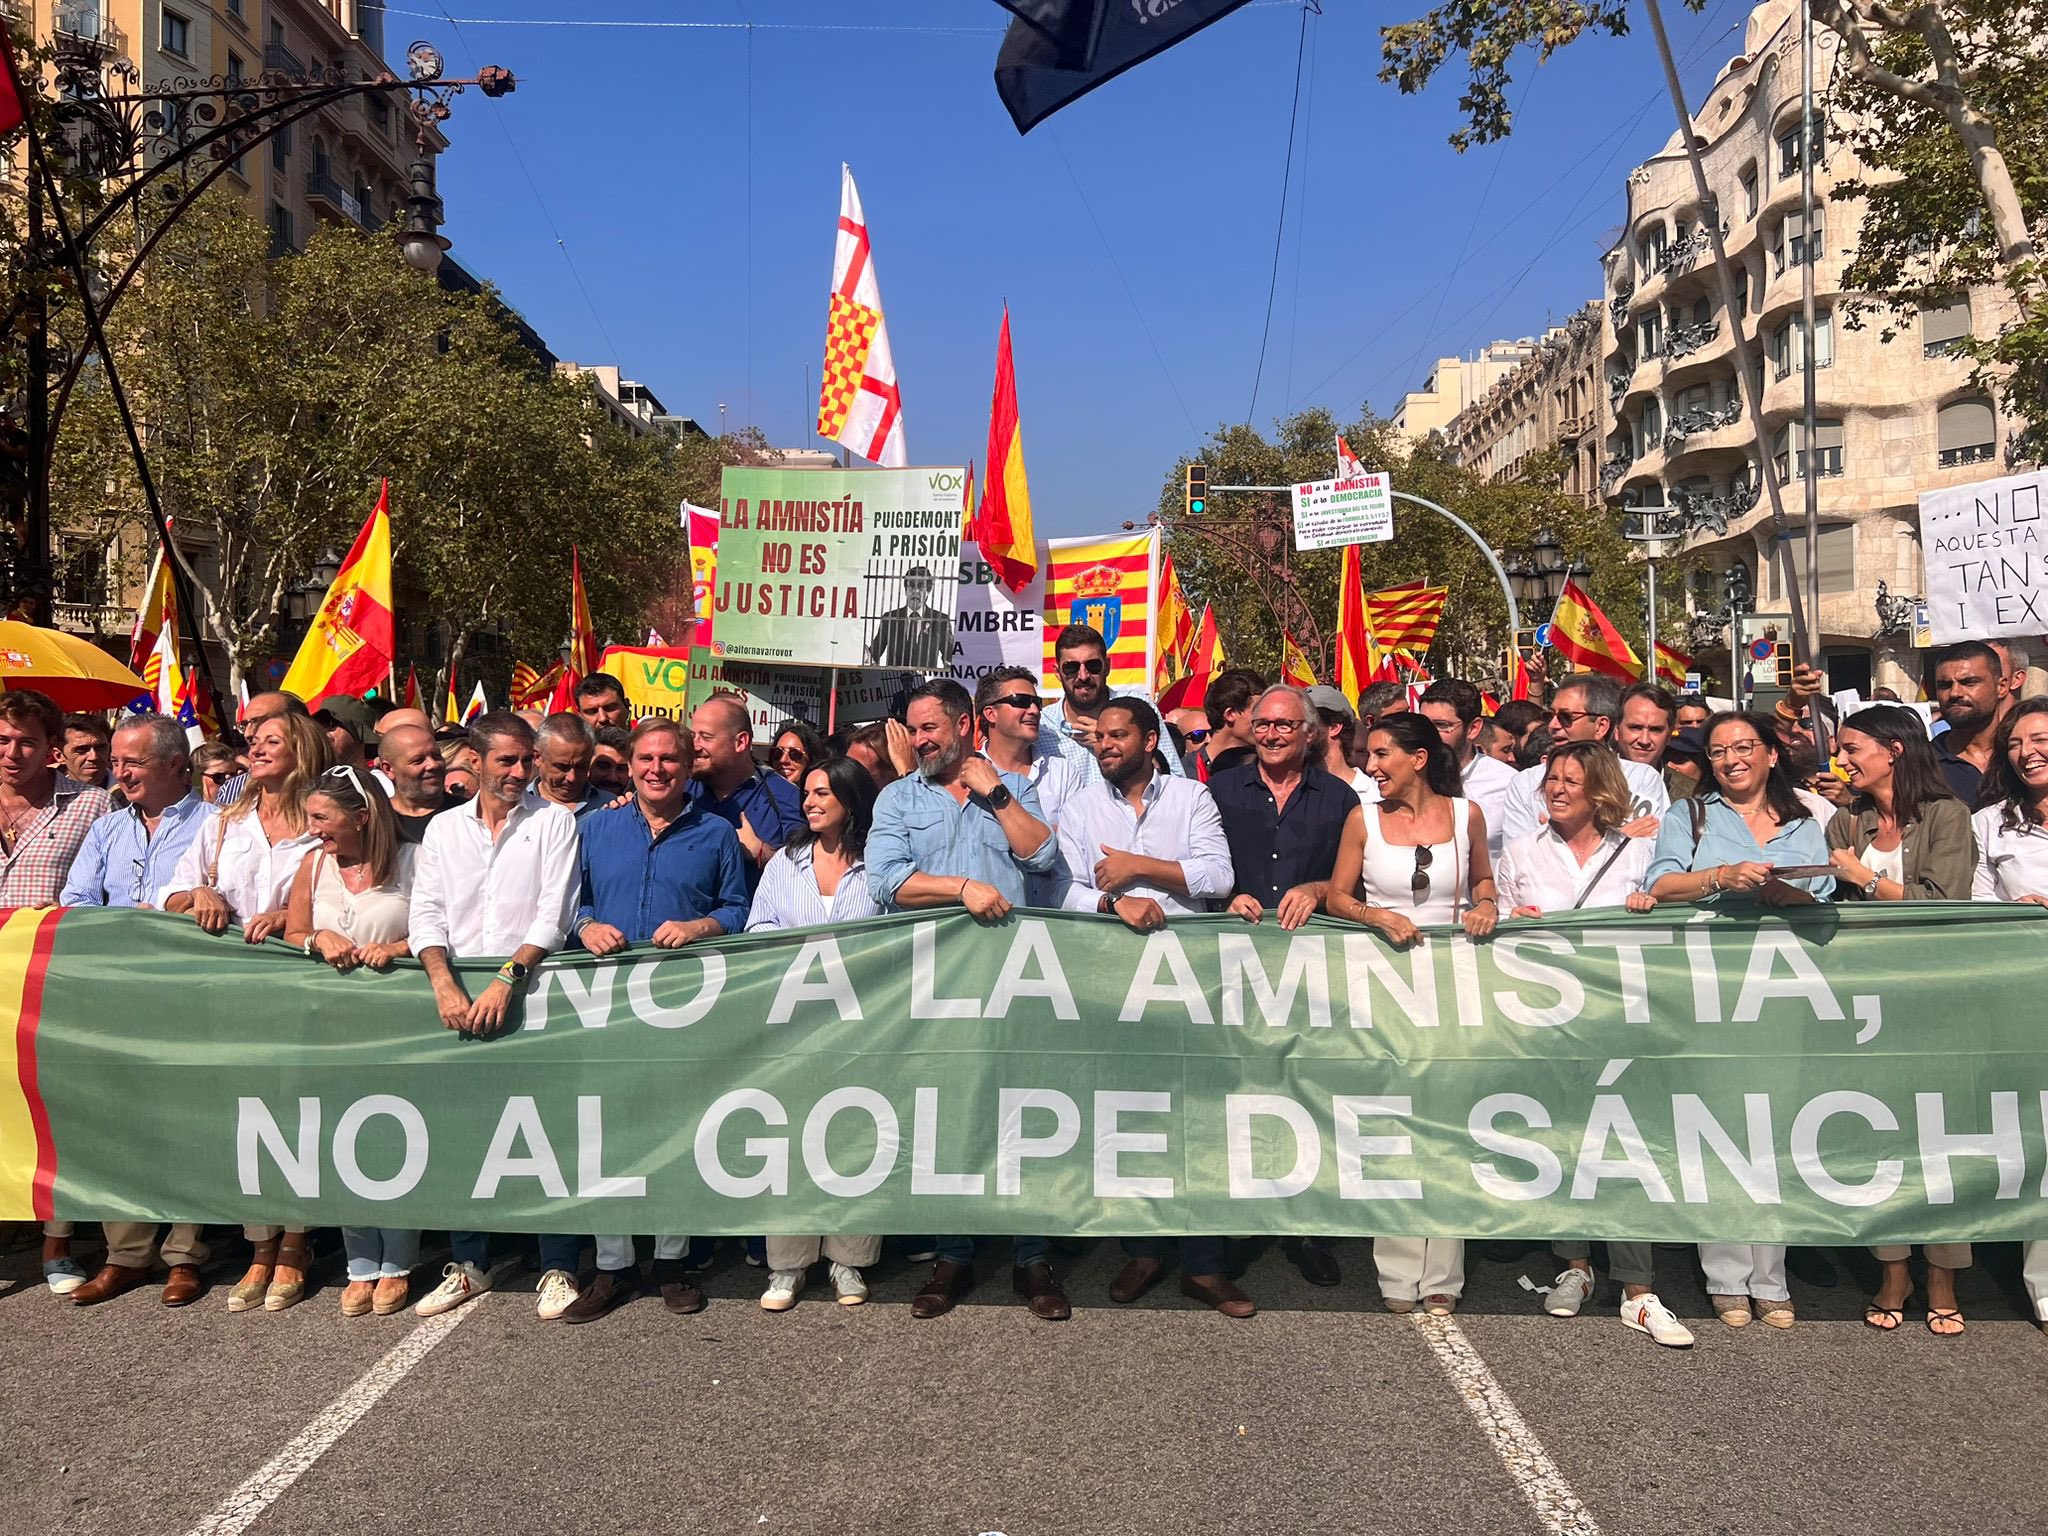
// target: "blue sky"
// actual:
[[691, 174]]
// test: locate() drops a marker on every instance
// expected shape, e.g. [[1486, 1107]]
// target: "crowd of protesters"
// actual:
[[362, 838]]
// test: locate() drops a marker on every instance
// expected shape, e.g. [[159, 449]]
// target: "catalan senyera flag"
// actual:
[[1176, 629], [1106, 584], [1673, 666], [1587, 638], [1405, 618], [859, 404], [1360, 662], [1001, 526], [1295, 667], [351, 643]]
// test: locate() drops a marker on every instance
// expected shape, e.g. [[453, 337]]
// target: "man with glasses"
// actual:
[[915, 637], [1453, 706], [1081, 658], [1586, 707], [1283, 814], [127, 856], [1007, 708]]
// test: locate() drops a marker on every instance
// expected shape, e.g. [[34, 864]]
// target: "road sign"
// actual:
[[1542, 636], [1761, 649]]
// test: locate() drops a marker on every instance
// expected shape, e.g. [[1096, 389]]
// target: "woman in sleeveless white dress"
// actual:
[[1416, 859]]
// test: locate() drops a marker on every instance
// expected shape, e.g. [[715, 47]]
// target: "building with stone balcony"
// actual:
[[1896, 417], [1453, 384], [1555, 399]]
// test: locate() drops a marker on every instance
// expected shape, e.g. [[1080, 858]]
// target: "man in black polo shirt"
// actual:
[[419, 778], [1227, 703], [1970, 688], [1283, 815]]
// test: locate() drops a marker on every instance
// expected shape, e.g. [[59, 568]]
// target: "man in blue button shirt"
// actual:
[[762, 807], [658, 872], [126, 857], [962, 833]]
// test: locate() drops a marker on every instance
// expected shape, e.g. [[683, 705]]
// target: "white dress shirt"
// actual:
[[2009, 864], [252, 874], [1368, 792], [1488, 782], [1179, 823], [475, 897], [1525, 812], [1541, 871]]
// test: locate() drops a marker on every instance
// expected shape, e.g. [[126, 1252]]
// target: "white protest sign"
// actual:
[[1329, 513], [993, 626], [1986, 551]]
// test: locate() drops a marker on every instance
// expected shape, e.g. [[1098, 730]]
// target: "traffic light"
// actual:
[[1783, 656], [1198, 489]]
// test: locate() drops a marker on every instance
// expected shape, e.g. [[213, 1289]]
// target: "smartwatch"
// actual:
[[999, 797], [512, 972]]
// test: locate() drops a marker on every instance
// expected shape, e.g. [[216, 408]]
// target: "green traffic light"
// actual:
[[1196, 504]]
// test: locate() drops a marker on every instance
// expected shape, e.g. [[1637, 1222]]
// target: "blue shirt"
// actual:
[[635, 881], [773, 806], [1056, 738], [120, 865], [920, 829], [1725, 838]]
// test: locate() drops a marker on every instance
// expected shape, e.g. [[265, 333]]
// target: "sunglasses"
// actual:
[[220, 776], [1565, 717], [1418, 883], [796, 752], [1198, 736], [1021, 701], [1094, 667]]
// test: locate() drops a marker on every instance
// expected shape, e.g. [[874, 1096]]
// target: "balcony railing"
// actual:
[[1975, 453], [83, 26], [280, 60], [1948, 346], [1617, 307], [1572, 428], [1685, 340], [1700, 418], [1614, 469], [1696, 511], [324, 188], [1680, 256], [93, 618]]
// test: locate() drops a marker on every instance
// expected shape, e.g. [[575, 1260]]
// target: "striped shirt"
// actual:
[[788, 896]]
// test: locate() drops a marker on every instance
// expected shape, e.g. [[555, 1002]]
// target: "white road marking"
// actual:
[[1535, 1474], [269, 1482]]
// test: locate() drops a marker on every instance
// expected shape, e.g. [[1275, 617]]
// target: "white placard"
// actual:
[[1329, 513], [1986, 552]]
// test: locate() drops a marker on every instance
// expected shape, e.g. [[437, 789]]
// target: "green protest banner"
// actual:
[[838, 567], [1858, 1074]]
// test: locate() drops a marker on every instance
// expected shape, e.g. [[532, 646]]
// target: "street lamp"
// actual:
[[419, 235]]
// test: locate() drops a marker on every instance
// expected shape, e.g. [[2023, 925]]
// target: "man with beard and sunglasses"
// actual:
[[1081, 658], [959, 832]]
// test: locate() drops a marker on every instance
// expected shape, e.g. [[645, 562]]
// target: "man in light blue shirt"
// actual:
[[1081, 657], [128, 855]]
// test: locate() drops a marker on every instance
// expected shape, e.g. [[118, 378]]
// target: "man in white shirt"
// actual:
[[1139, 846], [1586, 707], [1008, 709], [496, 876], [1452, 705]]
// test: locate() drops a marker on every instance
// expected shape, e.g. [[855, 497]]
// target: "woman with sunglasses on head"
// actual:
[[797, 750], [2012, 865], [240, 870], [1580, 858], [349, 907], [1417, 857], [212, 766], [1727, 842]]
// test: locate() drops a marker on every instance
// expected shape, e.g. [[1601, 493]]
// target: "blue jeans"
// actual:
[[960, 1250], [557, 1250], [1198, 1255], [379, 1253]]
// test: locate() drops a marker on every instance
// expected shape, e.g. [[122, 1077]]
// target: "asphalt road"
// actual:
[[1322, 1414]]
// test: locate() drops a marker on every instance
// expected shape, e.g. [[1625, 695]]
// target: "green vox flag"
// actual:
[[1858, 1074]]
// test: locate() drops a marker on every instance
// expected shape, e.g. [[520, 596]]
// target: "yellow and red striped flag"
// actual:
[[412, 687], [1405, 618], [1587, 638], [1295, 667], [451, 710], [859, 404], [582, 640], [1176, 629], [531, 687], [1002, 523], [352, 641], [1205, 660], [967, 503], [1359, 662], [1673, 666]]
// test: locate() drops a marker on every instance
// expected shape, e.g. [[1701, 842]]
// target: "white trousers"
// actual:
[[787, 1253], [1414, 1267], [617, 1253], [2034, 1257], [1745, 1269]]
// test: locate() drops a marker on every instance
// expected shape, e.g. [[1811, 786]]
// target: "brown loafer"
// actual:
[[677, 1294], [183, 1287], [1135, 1279], [1041, 1293], [1215, 1291], [112, 1280], [608, 1288], [942, 1292]]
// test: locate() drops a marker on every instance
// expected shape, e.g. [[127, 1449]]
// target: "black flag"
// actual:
[[1059, 50]]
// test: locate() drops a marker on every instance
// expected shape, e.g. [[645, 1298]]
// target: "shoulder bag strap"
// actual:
[[1605, 865]]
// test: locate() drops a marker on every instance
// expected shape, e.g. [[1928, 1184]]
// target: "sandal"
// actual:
[[1732, 1310], [1945, 1315], [248, 1292], [280, 1294], [1874, 1315]]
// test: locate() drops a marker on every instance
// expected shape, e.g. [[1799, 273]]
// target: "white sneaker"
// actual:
[[1568, 1293], [783, 1284], [557, 1294], [62, 1276], [1646, 1314], [459, 1283], [849, 1284]]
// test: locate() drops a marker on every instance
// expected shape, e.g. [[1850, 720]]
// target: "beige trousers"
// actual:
[[803, 1252], [132, 1244], [1947, 1255], [1411, 1268]]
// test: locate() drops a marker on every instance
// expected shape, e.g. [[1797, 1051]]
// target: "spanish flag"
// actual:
[[1295, 667], [1002, 523], [1205, 660], [1587, 637], [1176, 629], [412, 687], [1673, 666], [1359, 662], [1518, 674], [351, 643], [451, 712]]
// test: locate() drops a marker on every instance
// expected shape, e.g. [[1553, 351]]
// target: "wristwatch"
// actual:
[[999, 797], [1869, 887], [1106, 903], [512, 971]]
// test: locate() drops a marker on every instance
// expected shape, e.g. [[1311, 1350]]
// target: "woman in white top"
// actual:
[[240, 870], [1580, 859], [350, 906], [820, 877], [1417, 857], [2012, 865]]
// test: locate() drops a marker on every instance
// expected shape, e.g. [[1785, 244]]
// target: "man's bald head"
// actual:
[[391, 719], [265, 706]]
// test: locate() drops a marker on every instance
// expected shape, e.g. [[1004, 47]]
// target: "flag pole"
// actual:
[[831, 700]]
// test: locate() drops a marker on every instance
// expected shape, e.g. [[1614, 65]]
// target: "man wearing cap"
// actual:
[[351, 731], [1339, 722], [916, 637]]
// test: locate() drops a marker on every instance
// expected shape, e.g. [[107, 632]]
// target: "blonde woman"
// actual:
[[240, 869]]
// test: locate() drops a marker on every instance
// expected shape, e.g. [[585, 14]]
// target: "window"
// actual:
[[82, 574], [1702, 310], [1749, 192], [1791, 242], [1944, 327], [1788, 344], [1650, 336], [1837, 546], [1650, 250], [281, 232], [1699, 398], [1827, 449], [1653, 424], [1788, 149], [173, 113], [1968, 432], [235, 68], [175, 34], [281, 148], [235, 9]]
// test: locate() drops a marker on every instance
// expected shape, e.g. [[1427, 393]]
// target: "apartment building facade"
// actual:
[[1555, 399], [1454, 383]]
